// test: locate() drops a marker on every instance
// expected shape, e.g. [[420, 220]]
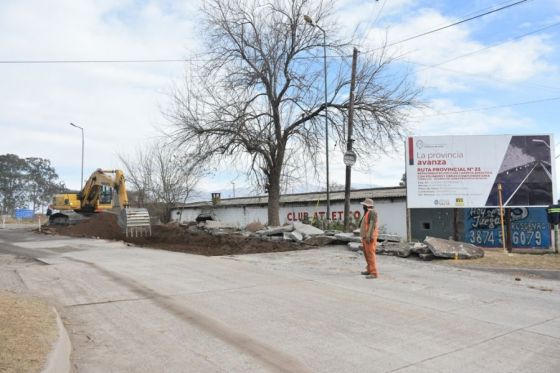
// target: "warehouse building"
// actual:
[[390, 203]]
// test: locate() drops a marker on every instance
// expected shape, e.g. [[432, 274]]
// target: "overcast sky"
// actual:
[[498, 74]]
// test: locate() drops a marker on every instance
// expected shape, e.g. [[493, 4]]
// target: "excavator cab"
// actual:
[[105, 195]]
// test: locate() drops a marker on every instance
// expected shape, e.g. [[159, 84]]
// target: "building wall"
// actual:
[[392, 214], [435, 223]]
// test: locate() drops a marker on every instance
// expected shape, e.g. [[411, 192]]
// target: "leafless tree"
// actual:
[[260, 94], [162, 176]]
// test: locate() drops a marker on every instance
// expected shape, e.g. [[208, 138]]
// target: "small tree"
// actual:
[[162, 177], [260, 93]]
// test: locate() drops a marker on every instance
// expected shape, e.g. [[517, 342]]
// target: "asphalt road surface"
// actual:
[[130, 309]]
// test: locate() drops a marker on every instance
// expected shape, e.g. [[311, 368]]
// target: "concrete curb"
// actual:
[[58, 360]]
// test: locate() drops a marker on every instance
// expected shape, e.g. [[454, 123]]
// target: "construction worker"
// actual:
[[368, 233]]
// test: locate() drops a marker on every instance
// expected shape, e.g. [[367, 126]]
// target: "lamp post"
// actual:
[[309, 20], [82, 174], [233, 183]]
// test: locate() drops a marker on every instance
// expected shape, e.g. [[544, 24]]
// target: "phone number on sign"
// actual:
[[494, 238]]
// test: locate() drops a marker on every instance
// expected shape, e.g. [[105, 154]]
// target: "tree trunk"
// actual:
[[274, 197], [274, 203]]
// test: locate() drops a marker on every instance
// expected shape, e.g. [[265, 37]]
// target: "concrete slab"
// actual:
[[517, 351], [453, 249], [550, 328], [307, 230], [348, 237]]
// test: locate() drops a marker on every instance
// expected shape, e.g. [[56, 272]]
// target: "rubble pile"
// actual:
[[218, 238], [297, 232], [431, 248]]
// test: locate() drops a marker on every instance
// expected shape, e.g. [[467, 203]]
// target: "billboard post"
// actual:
[[502, 218]]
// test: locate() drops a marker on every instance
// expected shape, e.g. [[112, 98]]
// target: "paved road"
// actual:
[[130, 309]]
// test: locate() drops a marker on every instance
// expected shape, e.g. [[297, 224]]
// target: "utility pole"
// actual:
[[350, 156]]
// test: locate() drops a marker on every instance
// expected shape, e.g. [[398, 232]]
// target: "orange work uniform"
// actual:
[[369, 228]]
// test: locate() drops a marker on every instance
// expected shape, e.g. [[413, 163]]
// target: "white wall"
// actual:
[[392, 215]]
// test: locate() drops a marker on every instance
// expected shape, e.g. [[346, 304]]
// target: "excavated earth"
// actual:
[[176, 238]]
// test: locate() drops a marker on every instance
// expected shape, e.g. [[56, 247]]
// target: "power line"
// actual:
[[492, 45], [364, 37], [97, 61], [490, 107], [207, 60], [482, 76], [450, 25]]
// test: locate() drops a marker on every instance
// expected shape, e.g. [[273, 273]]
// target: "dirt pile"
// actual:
[[102, 225], [177, 238]]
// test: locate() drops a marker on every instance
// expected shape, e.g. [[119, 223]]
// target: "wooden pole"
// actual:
[[502, 217], [349, 142]]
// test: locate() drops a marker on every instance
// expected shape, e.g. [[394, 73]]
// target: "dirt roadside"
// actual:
[[28, 331], [546, 266]]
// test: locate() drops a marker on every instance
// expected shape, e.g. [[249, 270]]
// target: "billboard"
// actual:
[[465, 171]]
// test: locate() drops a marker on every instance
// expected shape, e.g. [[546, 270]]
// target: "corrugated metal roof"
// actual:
[[374, 193]]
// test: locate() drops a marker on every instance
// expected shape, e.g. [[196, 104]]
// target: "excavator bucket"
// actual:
[[135, 222]]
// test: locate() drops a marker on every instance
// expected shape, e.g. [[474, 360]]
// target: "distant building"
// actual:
[[390, 203]]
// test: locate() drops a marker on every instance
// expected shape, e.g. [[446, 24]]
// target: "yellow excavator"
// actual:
[[104, 191]]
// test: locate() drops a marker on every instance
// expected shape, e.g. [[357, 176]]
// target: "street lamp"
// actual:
[[541, 141], [309, 20], [82, 175]]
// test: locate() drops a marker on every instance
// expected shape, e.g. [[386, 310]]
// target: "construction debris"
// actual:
[[293, 236], [254, 227], [348, 237], [274, 231], [384, 237], [319, 240], [452, 249], [402, 250], [307, 230], [355, 246], [213, 237]]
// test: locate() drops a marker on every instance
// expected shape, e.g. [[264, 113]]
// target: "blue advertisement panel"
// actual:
[[529, 227], [24, 214]]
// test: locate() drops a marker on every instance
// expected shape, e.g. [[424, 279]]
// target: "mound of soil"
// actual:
[[176, 238], [102, 225]]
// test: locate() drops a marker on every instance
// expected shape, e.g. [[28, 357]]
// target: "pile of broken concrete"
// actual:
[[431, 248], [297, 232]]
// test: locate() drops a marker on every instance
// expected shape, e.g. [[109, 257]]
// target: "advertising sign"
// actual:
[[24, 214], [466, 171], [529, 228]]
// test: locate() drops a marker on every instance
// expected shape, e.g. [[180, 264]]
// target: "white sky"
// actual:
[[120, 105]]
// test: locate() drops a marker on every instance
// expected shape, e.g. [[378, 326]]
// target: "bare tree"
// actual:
[[260, 95], [162, 176]]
